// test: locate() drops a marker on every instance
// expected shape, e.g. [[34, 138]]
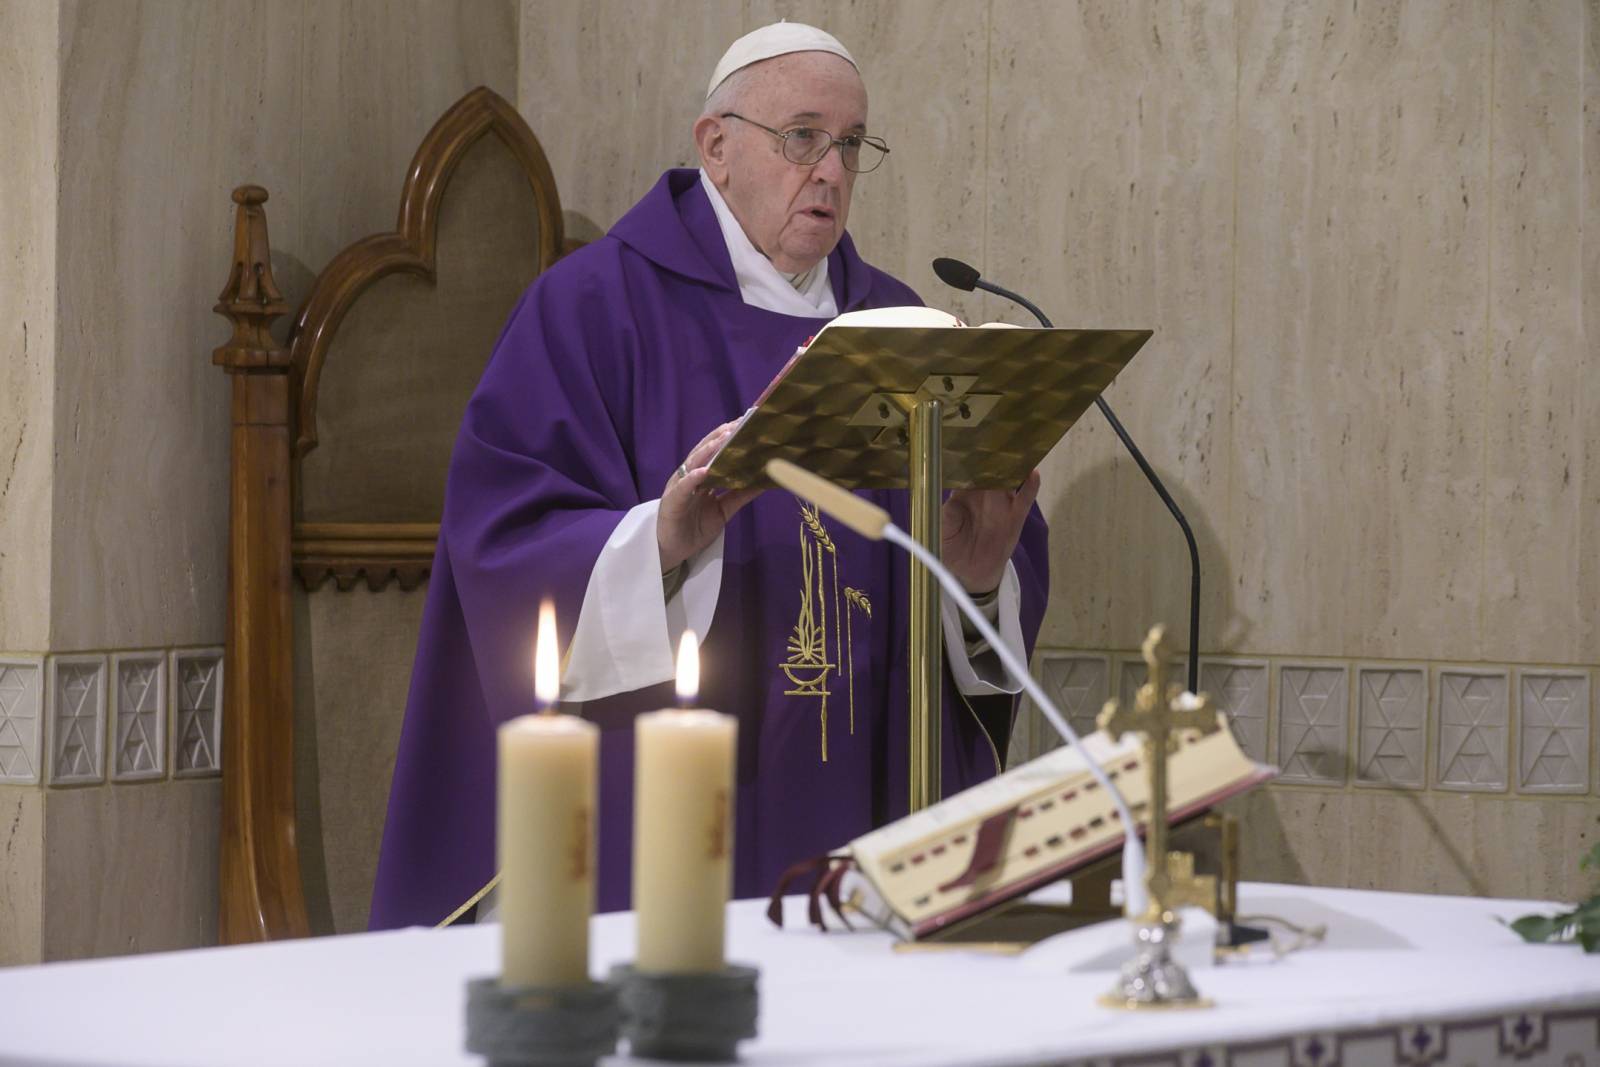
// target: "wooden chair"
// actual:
[[341, 440]]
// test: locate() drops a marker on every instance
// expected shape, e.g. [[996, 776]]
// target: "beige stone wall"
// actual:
[[135, 121], [28, 126], [1366, 237], [164, 108]]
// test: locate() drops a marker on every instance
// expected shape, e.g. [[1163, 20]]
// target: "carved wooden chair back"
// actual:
[[341, 441]]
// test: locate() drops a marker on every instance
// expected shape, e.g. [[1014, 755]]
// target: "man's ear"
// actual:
[[711, 137]]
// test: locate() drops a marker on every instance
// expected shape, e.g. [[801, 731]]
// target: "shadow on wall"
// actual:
[[577, 227], [1369, 839], [294, 280], [1119, 564]]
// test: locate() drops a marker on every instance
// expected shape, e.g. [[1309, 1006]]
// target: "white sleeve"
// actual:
[[628, 632], [984, 674]]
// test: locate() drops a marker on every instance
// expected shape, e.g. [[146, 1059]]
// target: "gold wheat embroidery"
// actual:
[[812, 517], [811, 661]]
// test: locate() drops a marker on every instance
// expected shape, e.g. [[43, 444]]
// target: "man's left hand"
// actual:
[[979, 529]]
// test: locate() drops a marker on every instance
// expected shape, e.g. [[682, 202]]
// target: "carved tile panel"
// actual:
[[1313, 721], [1239, 690], [77, 688], [1553, 732], [1474, 731], [1391, 726], [197, 713], [21, 719], [138, 716], [1080, 685]]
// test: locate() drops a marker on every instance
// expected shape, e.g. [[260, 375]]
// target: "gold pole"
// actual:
[[927, 661]]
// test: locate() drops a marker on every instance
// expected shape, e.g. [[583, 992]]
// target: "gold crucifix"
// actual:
[[1160, 710]]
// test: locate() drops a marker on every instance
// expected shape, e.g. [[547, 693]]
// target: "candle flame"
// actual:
[[688, 668], [546, 659]]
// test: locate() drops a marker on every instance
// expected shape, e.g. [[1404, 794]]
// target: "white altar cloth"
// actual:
[[1395, 970]]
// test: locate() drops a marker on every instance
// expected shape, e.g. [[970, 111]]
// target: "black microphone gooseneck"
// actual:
[[963, 276]]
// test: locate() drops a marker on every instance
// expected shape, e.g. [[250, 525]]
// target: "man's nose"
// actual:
[[830, 168]]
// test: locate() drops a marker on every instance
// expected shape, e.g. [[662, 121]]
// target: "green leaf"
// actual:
[[1589, 937], [1592, 860], [1542, 927]]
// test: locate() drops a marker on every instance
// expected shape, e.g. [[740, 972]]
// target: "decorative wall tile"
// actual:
[[1313, 721], [1474, 730], [1080, 685], [1553, 732], [1239, 689], [138, 716], [197, 712], [21, 718], [77, 687], [1392, 725]]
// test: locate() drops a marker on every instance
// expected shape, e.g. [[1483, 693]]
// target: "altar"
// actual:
[[1398, 979]]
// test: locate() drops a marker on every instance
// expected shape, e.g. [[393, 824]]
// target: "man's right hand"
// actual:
[[692, 515]]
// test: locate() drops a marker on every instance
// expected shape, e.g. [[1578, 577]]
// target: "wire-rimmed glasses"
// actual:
[[806, 146]]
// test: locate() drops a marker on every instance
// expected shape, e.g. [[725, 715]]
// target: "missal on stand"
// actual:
[[1031, 826]]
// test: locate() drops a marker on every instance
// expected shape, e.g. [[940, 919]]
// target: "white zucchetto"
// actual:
[[769, 42]]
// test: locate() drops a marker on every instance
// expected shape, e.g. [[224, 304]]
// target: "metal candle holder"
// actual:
[[1153, 979], [532, 1026], [688, 1016]]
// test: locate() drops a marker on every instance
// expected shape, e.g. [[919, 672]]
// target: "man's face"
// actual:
[[792, 213]]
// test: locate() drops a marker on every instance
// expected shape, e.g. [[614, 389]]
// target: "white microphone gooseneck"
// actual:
[[1133, 888]]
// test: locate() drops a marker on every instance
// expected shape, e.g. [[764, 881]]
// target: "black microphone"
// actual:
[[965, 277]]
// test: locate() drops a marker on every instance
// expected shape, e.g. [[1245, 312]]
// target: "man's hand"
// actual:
[[692, 515], [979, 529]]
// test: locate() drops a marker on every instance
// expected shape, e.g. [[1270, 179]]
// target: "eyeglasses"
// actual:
[[807, 146]]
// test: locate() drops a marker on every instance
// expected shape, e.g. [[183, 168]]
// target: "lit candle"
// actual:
[[546, 833], [683, 830]]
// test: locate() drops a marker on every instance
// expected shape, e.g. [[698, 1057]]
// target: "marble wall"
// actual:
[[1365, 238], [28, 126], [136, 120], [28, 74], [164, 108]]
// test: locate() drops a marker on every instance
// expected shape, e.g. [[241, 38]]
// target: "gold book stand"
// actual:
[[925, 409], [1212, 838]]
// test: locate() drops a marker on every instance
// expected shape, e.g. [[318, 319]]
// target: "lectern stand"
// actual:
[[925, 409]]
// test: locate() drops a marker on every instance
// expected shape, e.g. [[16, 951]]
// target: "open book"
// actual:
[[1033, 825]]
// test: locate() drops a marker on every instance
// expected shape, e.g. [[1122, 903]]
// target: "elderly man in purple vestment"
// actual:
[[579, 476]]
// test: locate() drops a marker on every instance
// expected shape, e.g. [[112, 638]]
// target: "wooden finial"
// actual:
[[251, 300]]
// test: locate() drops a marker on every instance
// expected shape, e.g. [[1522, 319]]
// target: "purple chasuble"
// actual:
[[614, 364]]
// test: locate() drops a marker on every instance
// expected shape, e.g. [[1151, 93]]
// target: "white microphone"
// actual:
[[871, 521]]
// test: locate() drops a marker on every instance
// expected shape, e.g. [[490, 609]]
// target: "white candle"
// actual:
[[683, 831], [546, 836]]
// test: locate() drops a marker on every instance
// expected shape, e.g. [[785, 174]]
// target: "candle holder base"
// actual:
[[688, 1016], [534, 1026], [1153, 979]]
